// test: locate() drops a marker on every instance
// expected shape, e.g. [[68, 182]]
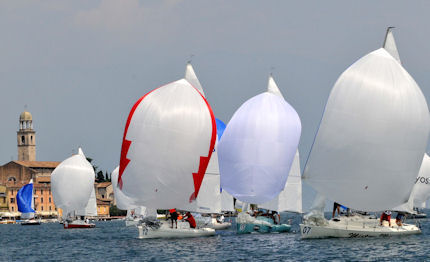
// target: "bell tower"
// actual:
[[26, 138]]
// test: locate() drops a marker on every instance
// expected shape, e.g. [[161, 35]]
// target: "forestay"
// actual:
[[72, 183], [372, 136], [168, 140], [258, 147]]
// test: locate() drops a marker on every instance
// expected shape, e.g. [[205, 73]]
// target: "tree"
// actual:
[[100, 177], [115, 211]]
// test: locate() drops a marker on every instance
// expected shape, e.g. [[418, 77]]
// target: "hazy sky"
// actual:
[[81, 65]]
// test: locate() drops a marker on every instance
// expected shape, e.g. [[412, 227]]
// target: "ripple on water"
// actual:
[[112, 241]]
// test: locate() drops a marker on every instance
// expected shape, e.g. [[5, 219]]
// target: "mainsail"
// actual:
[[25, 202], [258, 147], [168, 141], [91, 207], [372, 136], [72, 183]]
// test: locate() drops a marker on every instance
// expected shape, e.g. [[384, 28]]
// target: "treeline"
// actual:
[[100, 176]]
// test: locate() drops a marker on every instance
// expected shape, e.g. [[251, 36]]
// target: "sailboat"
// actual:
[[256, 154], [168, 141], [290, 198], [369, 146], [72, 188], [209, 200], [25, 202]]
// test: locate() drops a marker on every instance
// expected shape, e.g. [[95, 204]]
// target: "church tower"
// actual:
[[26, 138]]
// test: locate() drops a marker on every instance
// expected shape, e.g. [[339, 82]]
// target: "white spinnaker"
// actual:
[[91, 208], [122, 201], [372, 136], [290, 199], [169, 137], [390, 44], [72, 182], [191, 77], [258, 147], [209, 198]]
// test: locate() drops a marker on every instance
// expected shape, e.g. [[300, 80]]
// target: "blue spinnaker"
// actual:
[[220, 126], [24, 198]]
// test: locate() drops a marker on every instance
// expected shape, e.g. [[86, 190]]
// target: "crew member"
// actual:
[[386, 216], [190, 219]]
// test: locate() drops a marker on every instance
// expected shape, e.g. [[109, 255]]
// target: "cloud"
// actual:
[[112, 16]]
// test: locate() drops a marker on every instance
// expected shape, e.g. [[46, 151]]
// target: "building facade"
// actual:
[[15, 174]]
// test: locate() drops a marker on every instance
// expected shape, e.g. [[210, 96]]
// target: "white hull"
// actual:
[[221, 226], [351, 227], [165, 231], [132, 222]]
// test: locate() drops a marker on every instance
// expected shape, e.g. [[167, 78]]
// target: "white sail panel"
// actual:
[[72, 182], [290, 199], [372, 136], [272, 87], [91, 208], [227, 202], [122, 201], [421, 191], [390, 44], [191, 77], [258, 147], [209, 198], [168, 141]]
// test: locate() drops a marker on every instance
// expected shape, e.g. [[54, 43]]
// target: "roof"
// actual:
[[103, 184], [25, 116], [38, 164], [101, 202]]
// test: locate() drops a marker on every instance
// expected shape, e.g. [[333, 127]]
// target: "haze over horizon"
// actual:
[[79, 66]]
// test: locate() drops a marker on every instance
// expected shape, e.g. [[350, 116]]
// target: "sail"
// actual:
[[290, 199], [24, 200], [91, 207], [220, 127], [227, 202], [421, 191], [258, 147], [168, 141], [72, 182], [390, 44], [191, 77], [372, 136], [122, 201]]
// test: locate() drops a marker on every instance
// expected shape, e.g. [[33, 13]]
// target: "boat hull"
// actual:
[[165, 231], [75, 224], [30, 223], [246, 228], [356, 229], [221, 226]]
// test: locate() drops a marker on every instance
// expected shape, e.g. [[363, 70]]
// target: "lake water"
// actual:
[[112, 241]]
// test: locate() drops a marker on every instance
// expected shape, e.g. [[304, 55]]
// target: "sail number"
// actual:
[[306, 230]]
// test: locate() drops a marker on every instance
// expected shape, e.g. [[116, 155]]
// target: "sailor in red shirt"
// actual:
[[190, 219]]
